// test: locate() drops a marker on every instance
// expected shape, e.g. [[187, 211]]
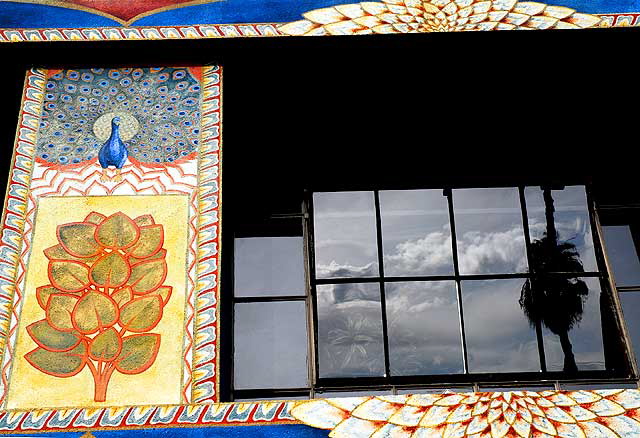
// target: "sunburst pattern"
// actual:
[[576, 414], [417, 16]]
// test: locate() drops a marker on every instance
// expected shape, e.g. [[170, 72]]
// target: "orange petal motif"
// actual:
[[412, 16], [597, 413]]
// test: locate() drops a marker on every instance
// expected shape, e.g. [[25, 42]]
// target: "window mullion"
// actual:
[[532, 279], [314, 364], [456, 270], [383, 301]]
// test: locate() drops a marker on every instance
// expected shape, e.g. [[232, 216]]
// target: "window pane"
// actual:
[[573, 326], [345, 234], [489, 233], [424, 328], [269, 266], [416, 233], [622, 255], [350, 330], [631, 311], [571, 223], [270, 342], [499, 336]]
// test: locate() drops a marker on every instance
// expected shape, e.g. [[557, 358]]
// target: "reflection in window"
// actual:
[[562, 216], [350, 340], [489, 231], [424, 332], [572, 327], [622, 254], [345, 234], [269, 266], [416, 233], [499, 336], [270, 345], [395, 300], [621, 250]]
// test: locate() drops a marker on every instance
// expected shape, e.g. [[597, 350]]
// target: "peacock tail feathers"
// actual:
[[159, 109]]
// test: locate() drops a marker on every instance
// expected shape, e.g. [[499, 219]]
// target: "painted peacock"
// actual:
[[145, 115]]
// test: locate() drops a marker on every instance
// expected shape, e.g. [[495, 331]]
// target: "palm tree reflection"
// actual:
[[557, 301]]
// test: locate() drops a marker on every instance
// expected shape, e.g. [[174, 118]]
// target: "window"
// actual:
[[621, 234], [402, 290]]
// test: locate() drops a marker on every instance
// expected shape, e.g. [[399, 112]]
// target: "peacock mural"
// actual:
[[111, 116]]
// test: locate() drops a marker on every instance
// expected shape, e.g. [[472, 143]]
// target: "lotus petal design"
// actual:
[[417, 16], [580, 414]]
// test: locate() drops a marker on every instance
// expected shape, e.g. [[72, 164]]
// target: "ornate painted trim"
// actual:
[[14, 218], [141, 33], [203, 31], [592, 414], [136, 417]]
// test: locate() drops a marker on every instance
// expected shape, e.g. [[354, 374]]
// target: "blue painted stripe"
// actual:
[[24, 15], [266, 431]]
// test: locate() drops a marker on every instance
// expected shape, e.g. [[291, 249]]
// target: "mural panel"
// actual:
[[50, 20]]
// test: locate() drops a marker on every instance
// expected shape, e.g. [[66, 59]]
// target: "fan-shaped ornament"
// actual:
[[579, 414], [416, 16], [143, 115]]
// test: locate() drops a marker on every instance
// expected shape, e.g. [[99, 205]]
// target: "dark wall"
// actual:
[[401, 110]]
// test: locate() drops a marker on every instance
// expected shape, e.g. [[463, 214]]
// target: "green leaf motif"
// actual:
[[117, 231], [138, 353], [147, 276], [58, 364], [44, 292], [95, 218], [144, 220], [59, 310], [57, 252], [93, 312], [112, 271], [77, 239], [162, 254], [141, 314], [150, 241], [68, 275], [122, 296], [51, 339], [106, 346]]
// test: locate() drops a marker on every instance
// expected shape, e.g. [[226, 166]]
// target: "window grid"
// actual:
[[272, 393], [389, 381], [432, 383]]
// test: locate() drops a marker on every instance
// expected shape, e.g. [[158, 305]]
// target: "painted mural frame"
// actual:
[[200, 392]]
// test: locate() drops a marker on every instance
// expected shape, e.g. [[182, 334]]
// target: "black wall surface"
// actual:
[[395, 111], [399, 109]]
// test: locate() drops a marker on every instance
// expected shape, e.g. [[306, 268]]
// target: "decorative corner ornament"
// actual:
[[581, 414], [416, 16]]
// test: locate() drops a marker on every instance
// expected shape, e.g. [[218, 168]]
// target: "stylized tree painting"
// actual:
[[106, 294]]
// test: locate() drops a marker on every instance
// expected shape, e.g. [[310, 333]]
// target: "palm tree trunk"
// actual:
[[549, 210], [570, 365]]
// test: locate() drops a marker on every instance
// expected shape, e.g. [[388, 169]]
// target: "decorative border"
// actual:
[[78, 419], [14, 216], [202, 31], [206, 351], [141, 33]]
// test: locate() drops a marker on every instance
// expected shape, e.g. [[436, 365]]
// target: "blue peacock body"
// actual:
[[165, 102]]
